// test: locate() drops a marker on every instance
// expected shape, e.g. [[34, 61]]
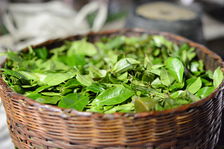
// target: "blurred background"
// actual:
[[27, 22]]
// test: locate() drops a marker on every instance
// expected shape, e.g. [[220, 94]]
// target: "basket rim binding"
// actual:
[[69, 112]]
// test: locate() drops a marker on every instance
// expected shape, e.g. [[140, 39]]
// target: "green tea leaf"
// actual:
[[175, 68], [75, 60], [39, 89], [209, 74], [217, 77], [178, 94], [205, 91], [164, 77], [53, 66], [195, 86], [12, 56], [144, 104], [129, 107], [71, 83], [53, 79], [33, 95], [160, 40], [115, 42], [82, 47], [50, 93], [97, 73], [50, 79], [124, 65], [84, 79], [191, 80], [123, 76], [95, 87], [13, 73], [74, 101], [113, 96], [41, 53], [157, 83], [48, 100], [176, 86]]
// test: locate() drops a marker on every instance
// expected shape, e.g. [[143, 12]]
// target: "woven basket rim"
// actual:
[[7, 90]]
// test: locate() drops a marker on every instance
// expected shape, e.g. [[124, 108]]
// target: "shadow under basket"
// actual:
[[38, 126]]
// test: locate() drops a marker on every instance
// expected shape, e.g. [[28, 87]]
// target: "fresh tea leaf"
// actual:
[[41, 53], [82, 47], [84, 79], [50, 79], [205, 91], [165, 79], [144, 104], [75, 101], [129, 107], [48, 100], [124, 65], [175, 68], [218, 77], [13, 73], [113, 96], [195, 86]]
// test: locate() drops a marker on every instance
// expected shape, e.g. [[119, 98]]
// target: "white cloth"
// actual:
[[39, 22], [5, 140]]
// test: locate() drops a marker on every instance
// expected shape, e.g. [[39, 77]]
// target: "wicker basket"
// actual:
[[38, 126]]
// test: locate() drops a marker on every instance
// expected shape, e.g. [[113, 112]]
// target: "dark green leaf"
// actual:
[[13, 73], [71, 83], [144, 104], [41, 53], [48, 100], [74, 101], [113, 96], [175, 86]]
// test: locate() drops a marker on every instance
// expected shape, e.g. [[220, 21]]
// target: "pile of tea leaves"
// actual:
[[118, 74]]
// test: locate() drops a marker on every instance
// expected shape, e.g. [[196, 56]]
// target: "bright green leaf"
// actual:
[[205, 91], [84, 79], [175, 67], [82, 47], [164, 77], [124, 65], [195, 86], [217, 77]]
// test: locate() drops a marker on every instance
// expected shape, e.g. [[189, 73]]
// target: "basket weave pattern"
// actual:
[[37, 126]]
